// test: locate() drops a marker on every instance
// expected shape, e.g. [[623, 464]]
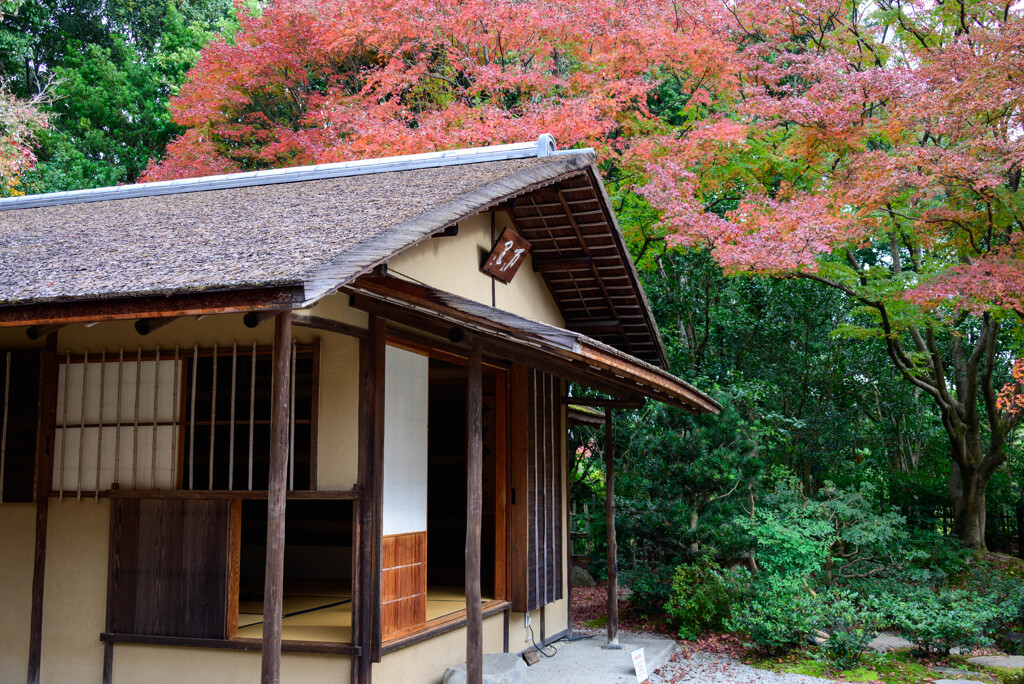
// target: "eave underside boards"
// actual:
[[577, 249], [567, 354]]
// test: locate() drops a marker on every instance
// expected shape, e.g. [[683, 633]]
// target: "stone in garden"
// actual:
[[1009, 662], [1012, 642], [958, 681], [579, 577], [959, 673], [885, 643], [499, 668]]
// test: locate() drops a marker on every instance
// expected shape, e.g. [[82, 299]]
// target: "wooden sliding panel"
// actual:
[[170, 567], [536, 471], [404, 588]]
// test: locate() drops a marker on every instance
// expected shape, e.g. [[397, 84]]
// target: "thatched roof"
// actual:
[[281, 234], [285, 238]]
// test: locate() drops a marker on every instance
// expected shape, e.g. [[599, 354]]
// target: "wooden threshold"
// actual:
[[442, 625], [208, 494], [313, 647]]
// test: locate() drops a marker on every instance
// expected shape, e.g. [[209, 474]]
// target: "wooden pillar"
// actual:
[[276, 496], [44, 477], [609, 511], [474, 512]]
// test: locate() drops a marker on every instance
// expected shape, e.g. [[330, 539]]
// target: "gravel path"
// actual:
[[713, 668]]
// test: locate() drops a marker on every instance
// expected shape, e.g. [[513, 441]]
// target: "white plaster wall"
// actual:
[[405, 442], [17, 545]]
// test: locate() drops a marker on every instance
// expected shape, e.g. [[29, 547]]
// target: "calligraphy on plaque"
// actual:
[[506, 256]]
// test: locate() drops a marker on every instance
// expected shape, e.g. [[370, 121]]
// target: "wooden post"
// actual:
[[474, 511], [276, 493], [609, 511], [47, 407]]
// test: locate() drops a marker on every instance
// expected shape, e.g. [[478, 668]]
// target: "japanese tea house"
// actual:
[[305, 424]]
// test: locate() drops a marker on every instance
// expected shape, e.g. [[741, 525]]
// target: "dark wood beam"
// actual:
[[450, 231], [328, 325], [43, 477], [144, 326], [254, 318], [500, 348], [37, 331], [597, 326], [276, 493], [609, 512], [130, 308], [559, 265], [605, 403], [378, 327], [474, 517]]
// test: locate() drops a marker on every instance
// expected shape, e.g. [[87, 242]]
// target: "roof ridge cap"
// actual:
[[544, 146]]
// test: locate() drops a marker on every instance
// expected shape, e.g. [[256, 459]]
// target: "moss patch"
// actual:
[[890, 668]]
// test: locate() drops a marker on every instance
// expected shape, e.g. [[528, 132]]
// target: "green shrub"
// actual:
[[850, 625], [936, 621], [778, 614], [651, 588], [700, 596]]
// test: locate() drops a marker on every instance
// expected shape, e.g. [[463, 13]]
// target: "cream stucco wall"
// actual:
[[75, 590], [17, 543], [426, 661], [134, 664], [453, 264]]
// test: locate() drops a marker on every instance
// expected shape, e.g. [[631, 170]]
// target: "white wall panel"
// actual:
[[405, 441]]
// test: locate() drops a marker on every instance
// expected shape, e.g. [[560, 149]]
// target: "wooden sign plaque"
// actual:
[[506, 256]]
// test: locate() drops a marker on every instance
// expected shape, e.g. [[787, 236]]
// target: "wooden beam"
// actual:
[[43, 478], [274, 577], [605, 403], [609, 512], [129, 308], [144, 326], [253, 318], [597, 326], [559, 265], [37, 331], [450, 231], [494, 346], [326, 324], [474, 517], [378, 339]]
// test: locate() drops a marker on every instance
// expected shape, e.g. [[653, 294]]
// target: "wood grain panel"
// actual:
[[536, 468], [170, 567], [404, 583]]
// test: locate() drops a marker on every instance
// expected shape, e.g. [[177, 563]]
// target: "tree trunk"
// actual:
[[967, 491]]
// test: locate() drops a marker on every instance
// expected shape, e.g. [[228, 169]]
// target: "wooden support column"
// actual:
[[47, 407], [474, 518], [276, 493], [609, 511]]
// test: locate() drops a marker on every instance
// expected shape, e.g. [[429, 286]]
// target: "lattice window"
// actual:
[[178, 419]]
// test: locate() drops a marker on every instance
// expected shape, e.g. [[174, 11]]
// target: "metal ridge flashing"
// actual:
[[544, 146]]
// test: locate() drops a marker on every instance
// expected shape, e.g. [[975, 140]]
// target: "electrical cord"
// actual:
[[539, 648]]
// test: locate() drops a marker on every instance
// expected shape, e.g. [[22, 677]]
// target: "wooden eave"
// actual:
[[573, 355], [200, 303], [579, 251]]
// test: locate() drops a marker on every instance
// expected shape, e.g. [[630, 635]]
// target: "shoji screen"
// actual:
[[403, 593]]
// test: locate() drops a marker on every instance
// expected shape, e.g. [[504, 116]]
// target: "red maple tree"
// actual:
[[875, 147]]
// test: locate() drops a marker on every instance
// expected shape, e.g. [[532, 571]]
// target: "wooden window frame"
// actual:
[[184, 422]]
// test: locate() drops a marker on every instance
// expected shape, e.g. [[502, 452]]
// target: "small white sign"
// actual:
[[640, 665]]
